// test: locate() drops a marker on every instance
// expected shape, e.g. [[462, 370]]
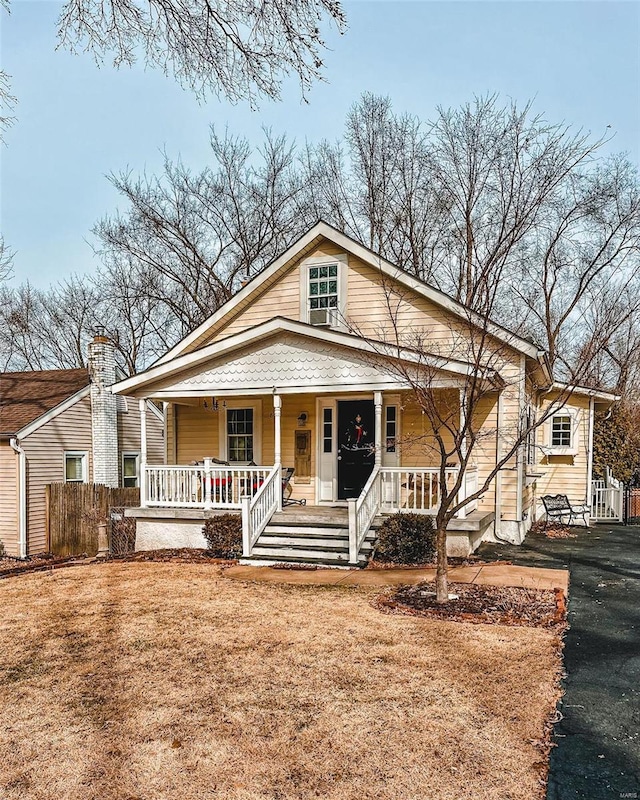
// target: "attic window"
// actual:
[[323, 294]]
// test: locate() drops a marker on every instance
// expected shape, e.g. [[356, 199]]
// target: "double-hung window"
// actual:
[[130, 469], [322, 294], [240, 435], [75, 467]]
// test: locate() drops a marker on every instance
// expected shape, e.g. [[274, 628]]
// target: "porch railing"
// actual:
[[418, 489], [258, 510], [396, 489], [206, 486], [362, 512], [607, 502]]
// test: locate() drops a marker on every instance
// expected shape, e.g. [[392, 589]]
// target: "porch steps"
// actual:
[[307, 538]]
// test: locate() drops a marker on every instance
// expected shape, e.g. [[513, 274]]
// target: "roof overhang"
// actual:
[[597, 394], [220, 368]]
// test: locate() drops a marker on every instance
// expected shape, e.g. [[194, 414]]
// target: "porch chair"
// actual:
[[558, 506], [287, 474]]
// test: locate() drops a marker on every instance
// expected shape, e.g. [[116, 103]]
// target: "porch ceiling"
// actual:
[[290, 357]]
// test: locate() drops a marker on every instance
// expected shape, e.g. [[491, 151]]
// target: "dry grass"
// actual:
[[139, 680]]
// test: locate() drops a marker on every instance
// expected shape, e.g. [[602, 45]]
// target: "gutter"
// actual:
[[22, 497]]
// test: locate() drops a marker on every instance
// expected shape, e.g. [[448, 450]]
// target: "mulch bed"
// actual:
[[498, 605], [554, 530]]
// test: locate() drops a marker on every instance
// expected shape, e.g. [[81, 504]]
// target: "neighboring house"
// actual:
[[65, 426], [287, 373]]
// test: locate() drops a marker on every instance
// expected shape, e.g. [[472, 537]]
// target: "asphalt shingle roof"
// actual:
[[25, 396]]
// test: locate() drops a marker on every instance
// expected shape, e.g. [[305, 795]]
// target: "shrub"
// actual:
[[224, 535], [406, 539]]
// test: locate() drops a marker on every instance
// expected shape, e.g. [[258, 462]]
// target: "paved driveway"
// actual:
[[598, 739]]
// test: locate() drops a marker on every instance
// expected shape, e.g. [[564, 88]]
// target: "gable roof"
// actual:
[[306, 243], [280, 325], [26, 396]]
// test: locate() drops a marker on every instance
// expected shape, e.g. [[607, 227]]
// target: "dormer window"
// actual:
[[323, 294]]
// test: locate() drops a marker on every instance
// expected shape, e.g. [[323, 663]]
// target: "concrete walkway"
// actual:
[[597, 756], [487, 575]]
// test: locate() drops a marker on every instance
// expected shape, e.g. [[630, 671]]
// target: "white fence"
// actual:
[[607, 502]]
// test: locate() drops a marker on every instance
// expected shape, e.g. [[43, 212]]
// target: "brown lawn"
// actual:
[[140, 680]]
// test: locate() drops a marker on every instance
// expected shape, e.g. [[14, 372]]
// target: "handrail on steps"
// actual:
[[362, 511], [258, 510]]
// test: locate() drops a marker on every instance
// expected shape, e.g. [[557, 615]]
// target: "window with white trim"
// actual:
[[75, 467], [130, 469], [239, 435], [561, 430], [323, 294]]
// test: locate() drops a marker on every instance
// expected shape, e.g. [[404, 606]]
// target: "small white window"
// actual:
[[75, 467], [130, 469], [561, 425]]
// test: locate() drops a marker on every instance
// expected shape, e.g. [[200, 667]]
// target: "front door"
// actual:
[[356, 446]]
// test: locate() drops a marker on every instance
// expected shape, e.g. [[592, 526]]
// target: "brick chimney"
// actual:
[[104, 416]]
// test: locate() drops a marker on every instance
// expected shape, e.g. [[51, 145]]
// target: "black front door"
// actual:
[[356, 446]]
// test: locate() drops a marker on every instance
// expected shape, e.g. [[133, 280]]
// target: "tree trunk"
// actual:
[[442, 589]]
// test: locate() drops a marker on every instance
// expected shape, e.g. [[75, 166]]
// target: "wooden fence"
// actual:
[[74, 511]]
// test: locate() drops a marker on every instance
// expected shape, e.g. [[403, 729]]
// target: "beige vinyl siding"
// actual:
[[9, 533], [45, 448], [292, 407], [565, 474], [418, 446], [129, 435], [170, 435], [196, 433], [281, 300]]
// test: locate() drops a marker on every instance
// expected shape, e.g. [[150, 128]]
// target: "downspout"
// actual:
[[588, 498], [520, 452], [22, 498]]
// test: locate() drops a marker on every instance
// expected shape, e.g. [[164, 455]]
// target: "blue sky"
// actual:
[[580, 60]]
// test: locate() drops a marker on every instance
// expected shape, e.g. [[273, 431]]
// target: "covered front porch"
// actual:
[[287, 399], [351, 484]]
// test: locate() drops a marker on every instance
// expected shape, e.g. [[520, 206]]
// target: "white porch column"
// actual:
[[142, 405], [277, 453], [377, 403], [277, 414]]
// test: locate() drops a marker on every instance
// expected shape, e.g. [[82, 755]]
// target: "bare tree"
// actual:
[[490, 195], [191, 238], [238, 50]]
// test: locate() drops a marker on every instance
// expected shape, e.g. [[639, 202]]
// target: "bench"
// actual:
[[558, 506]]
